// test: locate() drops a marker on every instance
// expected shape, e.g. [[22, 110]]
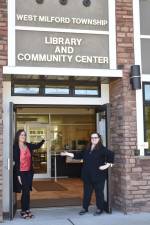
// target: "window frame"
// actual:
[[145, 103], [71, 83]]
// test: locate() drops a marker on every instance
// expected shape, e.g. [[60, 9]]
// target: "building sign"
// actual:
[[78, 37], [73, 15], [58, 49]]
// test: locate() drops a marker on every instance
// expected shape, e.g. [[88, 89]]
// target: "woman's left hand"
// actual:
[[104, 167]]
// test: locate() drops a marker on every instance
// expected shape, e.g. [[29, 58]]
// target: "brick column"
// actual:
[[123, 106], [3, 61], [131, 174]]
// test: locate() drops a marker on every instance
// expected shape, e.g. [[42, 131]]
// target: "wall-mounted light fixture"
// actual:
[[135, 77], [63, 2], [86, 3], [39, 1]]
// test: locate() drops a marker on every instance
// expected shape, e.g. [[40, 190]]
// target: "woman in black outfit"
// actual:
[[96, 160], [23, 170]]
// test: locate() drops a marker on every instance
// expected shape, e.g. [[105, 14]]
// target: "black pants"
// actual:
[[26, 179], [98, 187]]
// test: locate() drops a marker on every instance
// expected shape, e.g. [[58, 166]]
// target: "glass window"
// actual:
[[57, 90], [85, 90], [145, 52], [26, 89], [24, 118], [144, 14], [147, 92], [147, 128], [70, 131], [147, 116], [70, 88], [145, 31]]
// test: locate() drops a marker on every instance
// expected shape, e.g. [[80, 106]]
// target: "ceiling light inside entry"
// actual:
[[39, 1], [63, 2]]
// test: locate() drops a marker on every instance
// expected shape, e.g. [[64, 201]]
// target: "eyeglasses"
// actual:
[[23, 135], [94, 137]]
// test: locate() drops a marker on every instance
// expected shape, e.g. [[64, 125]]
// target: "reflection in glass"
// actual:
[[84, 90], [35, 135], [26, 89], [144, 14], [70, 132], [147, 92], [22, 119], [57, 90], [147, 126], [61, 128]]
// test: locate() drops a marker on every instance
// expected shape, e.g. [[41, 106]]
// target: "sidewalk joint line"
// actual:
[[70, 221]]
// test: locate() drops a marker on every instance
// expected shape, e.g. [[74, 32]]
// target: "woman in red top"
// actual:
[[23, 169]]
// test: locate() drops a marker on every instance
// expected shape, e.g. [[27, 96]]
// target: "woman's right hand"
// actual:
[[65, 153], [19, 179]]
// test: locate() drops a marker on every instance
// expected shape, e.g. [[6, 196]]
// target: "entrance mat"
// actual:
[[44, 203], [48, 185]]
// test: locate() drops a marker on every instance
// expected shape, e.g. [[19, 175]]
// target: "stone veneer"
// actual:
[[131, 174]]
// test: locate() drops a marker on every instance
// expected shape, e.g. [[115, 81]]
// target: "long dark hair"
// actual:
[[99, 144], [16, 140]]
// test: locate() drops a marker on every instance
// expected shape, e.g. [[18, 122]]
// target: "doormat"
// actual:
[[44, 203], [48, 185]]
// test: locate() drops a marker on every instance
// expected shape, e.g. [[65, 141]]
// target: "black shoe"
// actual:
[[98, 212], [24, 215], [30, 215], [83, 211]]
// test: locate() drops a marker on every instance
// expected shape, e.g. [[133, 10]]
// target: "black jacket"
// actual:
[[92, 160], [16, 159]]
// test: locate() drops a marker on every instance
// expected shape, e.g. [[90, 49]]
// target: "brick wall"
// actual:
[[3, 61], [139, 185], [131, 174]]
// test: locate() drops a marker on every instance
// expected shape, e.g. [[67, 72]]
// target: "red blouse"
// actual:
[[25, 159]]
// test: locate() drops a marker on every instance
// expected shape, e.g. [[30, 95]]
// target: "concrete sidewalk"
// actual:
[[69, 216]]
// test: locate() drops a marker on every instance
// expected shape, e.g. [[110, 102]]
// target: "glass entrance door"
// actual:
[[12, 130], [69, 132], [101, 125], [102, 122], [63, 129], [41, 157]]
